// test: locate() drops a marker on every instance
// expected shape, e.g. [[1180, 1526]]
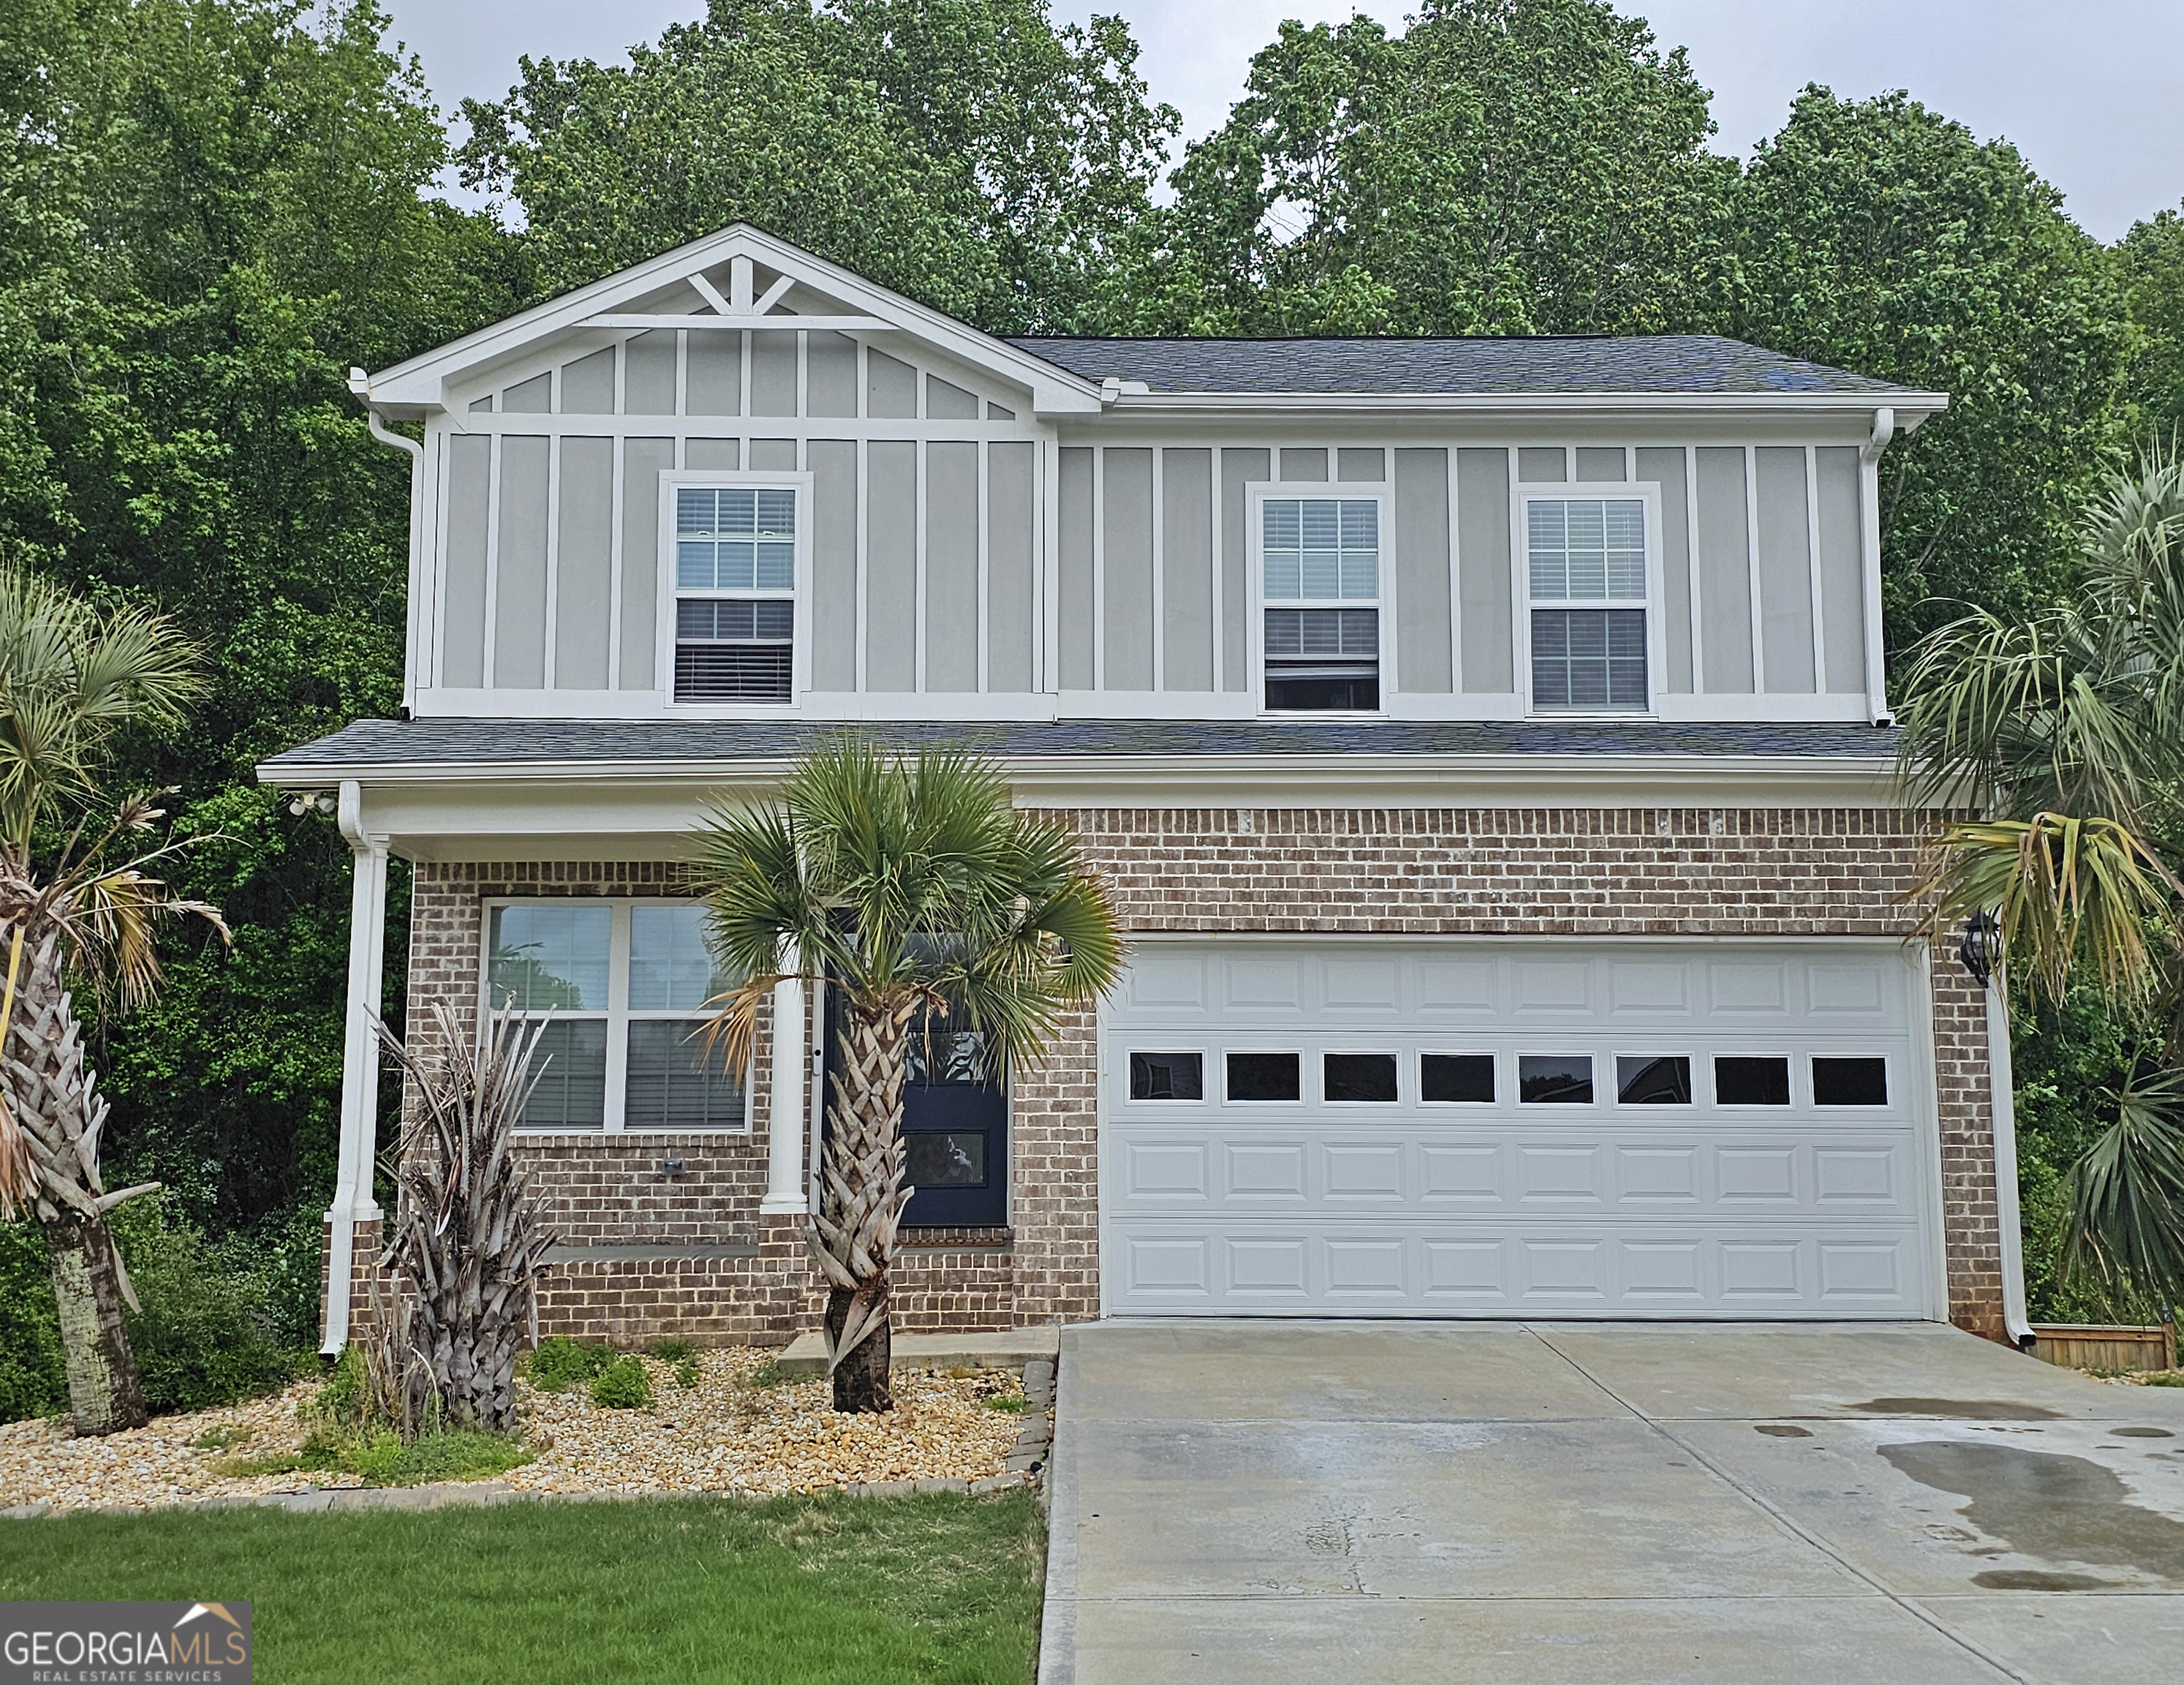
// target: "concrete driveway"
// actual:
[[1334, 1501]]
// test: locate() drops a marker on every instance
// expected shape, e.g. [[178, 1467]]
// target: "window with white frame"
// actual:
[[735, 593], [1588, 585], [1320, 561], [622, 985]]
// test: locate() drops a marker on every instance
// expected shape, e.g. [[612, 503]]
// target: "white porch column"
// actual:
[[359, 1108], [785, 1108]]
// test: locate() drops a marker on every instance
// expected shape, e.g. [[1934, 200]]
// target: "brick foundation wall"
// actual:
[[1408, 872]]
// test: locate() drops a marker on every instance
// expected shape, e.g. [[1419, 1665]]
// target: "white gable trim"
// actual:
[[413, 388]]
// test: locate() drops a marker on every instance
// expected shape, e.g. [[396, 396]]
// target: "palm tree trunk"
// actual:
[[105, 1395], [860, 1378], [860, 1200], [49, 1093]]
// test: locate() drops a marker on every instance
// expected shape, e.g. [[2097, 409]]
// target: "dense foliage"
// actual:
[[210, 208], [967, 153]]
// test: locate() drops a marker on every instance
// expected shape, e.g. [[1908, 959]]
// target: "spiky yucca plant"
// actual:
[[2066, 733], [913, 888], [71, 677], [467, 1238]]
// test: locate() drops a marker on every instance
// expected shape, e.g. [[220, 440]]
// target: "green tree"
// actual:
[[916, 890], [1503, 166], [1879, 237], [72, 680], [966, 152], [2151, 259], [2065, 731], [208, 210]]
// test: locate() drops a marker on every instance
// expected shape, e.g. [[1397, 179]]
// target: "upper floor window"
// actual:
[[1321, 558], [1588, 587], [622, 985], [735, 593]]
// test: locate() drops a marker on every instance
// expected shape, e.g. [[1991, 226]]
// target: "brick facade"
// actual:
[[691, 1256]]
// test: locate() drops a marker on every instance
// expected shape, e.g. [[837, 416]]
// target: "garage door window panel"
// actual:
[[1265, 1077], [1850, 1081], [1455, 1078], [1654, 1079], [1751, 1079], [1359, 1079], [1167, 1076], [1554, 1079]]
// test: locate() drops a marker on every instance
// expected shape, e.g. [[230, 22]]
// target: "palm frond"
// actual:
[[70, 676], [2067, 892], [2127, 1194]]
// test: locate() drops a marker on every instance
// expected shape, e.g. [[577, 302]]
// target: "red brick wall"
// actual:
[[1418, 871]]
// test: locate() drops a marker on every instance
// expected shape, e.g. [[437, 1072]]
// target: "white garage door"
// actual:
[[1644, 1129]]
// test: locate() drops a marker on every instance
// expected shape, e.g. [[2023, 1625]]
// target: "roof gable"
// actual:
[[739, 278]]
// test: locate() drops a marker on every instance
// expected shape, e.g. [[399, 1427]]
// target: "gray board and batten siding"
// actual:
[[924, 545], [959, 549]]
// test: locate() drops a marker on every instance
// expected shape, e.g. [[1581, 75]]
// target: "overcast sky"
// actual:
[[2088, 89]]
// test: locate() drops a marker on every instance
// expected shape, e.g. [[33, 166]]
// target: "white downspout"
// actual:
[[785, 1108], [1868, 473], [360, 384], [2002, 1111], [360, 1108]]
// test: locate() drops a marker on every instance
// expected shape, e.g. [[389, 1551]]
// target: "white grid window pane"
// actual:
[[676, 1081], [571, 1065], [1322, 550], [671, 968], [550, 958], [734, 539], [1587, 550]]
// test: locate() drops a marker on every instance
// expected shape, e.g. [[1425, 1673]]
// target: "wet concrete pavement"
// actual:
[[1279, 1501]]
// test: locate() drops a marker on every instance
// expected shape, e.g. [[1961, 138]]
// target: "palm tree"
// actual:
[[2065, 733], [72, 677], [914, 889]]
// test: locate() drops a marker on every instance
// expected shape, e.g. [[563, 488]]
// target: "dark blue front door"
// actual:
[[955, 1128]]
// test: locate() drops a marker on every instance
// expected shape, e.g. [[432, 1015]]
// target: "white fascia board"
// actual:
[[1911, 408], [419, 383], [628, 798]]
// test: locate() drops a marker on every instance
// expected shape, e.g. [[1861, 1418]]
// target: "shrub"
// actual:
[[687, 1374], [32, 1382], [623, 1385], [222, 1320], [672, 1351], [559, 1362], [208, 1333]]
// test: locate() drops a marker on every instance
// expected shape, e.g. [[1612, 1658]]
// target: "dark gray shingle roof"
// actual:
[[446, 742], [1656, 365]]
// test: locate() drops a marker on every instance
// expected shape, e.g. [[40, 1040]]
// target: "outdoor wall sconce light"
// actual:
[[1982, 948]]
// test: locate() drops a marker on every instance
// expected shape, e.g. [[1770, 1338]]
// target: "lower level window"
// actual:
[[622, 987]]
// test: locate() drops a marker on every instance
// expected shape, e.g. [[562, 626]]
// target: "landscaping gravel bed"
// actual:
[[738, 1429], [171, 1461], [733, 1432]]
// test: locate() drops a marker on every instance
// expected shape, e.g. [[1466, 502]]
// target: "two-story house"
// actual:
[[1485, 739]]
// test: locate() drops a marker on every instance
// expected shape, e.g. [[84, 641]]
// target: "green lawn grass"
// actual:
[[787, 1590]]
